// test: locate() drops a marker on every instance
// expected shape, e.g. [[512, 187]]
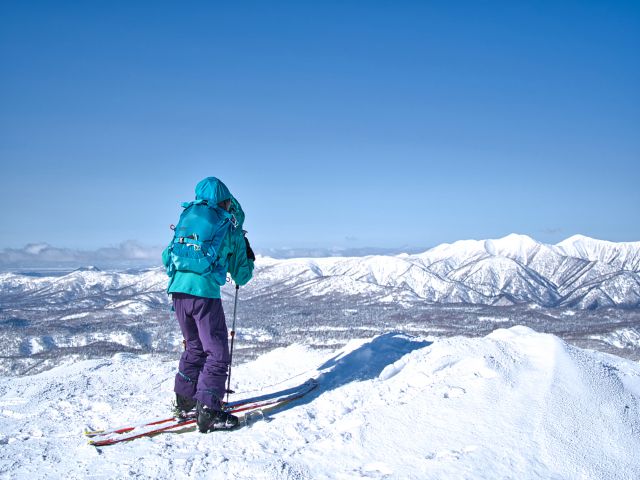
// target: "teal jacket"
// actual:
[[233, 247]]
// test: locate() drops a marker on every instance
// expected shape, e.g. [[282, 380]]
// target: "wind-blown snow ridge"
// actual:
[[514, 404]]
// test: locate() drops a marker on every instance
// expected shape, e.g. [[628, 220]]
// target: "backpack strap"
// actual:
[[186, 205]]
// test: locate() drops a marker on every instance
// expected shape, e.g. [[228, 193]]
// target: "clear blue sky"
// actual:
[[382, 123]]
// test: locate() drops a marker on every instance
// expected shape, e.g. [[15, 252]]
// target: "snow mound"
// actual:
[[514, 404]]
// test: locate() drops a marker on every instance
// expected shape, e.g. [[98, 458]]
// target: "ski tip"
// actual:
[[97, 443]]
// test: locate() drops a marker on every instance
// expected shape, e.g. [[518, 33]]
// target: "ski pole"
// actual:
[[233, 336]]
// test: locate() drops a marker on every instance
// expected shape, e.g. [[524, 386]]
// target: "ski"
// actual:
[[246, 406], [231, 407], [118, 430]]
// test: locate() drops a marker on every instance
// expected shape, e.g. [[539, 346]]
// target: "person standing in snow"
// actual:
[[204, 364]]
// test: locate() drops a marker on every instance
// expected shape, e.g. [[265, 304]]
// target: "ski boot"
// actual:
[[210, 420], [182, 406]]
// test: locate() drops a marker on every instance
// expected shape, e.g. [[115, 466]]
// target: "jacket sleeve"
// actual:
[[240, 267], [166, 255]]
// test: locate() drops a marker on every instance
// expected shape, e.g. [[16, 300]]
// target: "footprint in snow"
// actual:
[[375, 470], [451, 454], [448, 391]]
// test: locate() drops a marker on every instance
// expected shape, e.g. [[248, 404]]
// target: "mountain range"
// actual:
[[580, 273], [585, 291]]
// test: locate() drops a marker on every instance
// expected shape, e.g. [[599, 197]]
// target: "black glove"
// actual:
[[250, 254]]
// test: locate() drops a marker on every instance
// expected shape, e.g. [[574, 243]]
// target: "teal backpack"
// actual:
[[198, 238]]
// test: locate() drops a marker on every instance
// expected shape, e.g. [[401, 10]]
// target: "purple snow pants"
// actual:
[[202, 372]]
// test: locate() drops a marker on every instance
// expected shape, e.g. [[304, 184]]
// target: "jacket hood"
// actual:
[[237, 212], [212, 190]]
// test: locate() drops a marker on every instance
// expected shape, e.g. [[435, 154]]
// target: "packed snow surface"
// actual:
[[513, 404]]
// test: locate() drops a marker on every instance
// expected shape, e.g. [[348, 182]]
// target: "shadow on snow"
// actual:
[[364, 363]]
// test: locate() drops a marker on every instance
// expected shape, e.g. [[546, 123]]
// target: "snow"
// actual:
[[74, 316], [622, 255], [579, 273], [128, 307], [513, 404], [621, 338]]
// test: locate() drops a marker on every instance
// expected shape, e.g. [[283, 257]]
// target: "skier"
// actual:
[[204, 364]]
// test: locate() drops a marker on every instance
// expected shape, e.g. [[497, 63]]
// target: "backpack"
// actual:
[[197, 241]]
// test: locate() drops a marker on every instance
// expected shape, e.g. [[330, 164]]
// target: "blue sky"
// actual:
[[380, 123]]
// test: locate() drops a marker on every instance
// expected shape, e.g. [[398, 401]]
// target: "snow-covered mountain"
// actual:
[[624, 256], [513, 404], [579, 272], [460, 288], [85, 288]]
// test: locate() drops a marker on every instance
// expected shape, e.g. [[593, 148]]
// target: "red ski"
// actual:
[[269, 401]]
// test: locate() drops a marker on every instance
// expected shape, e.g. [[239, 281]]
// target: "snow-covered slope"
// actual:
[[578, 273], [86, 288], [88, 312], [623, 255], [514, 404]]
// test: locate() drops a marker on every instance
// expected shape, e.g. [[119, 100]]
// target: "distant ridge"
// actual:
[[579, 272]]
